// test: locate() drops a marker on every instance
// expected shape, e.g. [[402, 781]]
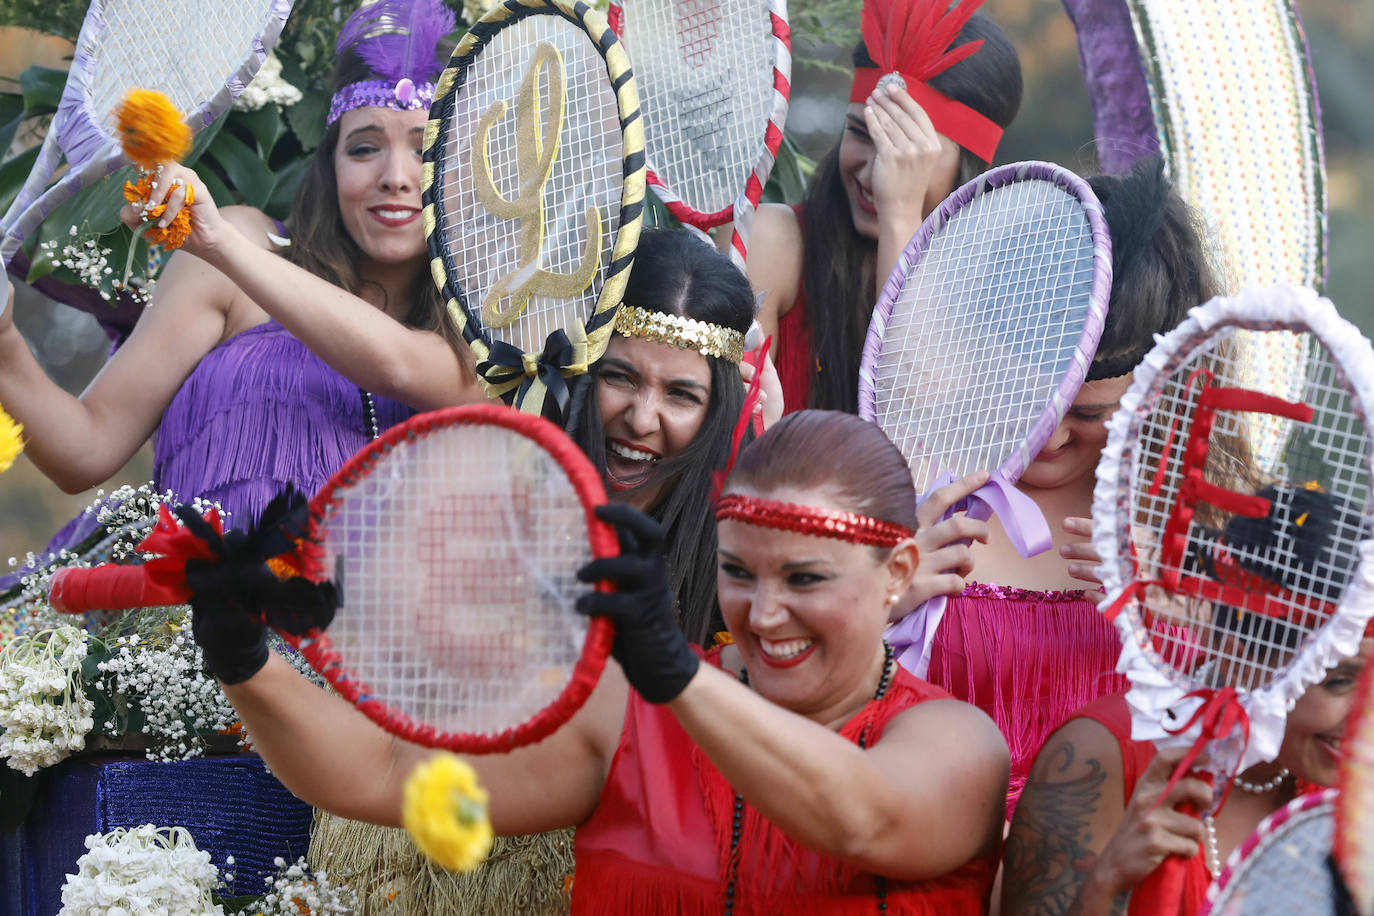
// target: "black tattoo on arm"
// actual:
[[1048, 853]]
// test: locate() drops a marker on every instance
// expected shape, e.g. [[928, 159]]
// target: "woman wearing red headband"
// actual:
[[799, 770], [909, 140]]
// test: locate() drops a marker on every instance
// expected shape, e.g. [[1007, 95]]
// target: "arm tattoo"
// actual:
[[1047, 854]]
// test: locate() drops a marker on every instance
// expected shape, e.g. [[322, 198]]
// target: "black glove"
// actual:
[[657, 659], [236, 596]]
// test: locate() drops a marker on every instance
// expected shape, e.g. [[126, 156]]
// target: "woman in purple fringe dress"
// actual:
[[1032, 648], [263, 360]]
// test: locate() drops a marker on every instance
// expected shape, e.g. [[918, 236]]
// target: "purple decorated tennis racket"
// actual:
[[199, 53], [1283, 867], [981, 339]]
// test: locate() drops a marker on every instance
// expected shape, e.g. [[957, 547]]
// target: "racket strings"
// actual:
[[458, 565], [704, 69], [984, 330], [1285, 572], [542, 240], [157, 45], [1286, 872]]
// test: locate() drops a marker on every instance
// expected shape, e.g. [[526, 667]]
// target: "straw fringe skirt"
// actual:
[[523, 875]]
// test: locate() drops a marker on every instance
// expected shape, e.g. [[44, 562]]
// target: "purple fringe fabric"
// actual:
[[1123, 118], [260, 411], [1028, 659]]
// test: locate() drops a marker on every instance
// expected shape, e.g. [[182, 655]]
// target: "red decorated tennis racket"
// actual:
[[1232, 514], [714, 81], [454, 541], [1283, 867]]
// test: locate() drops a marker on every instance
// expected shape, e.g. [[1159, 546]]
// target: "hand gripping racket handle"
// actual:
[[110, 587], [1162, 890]]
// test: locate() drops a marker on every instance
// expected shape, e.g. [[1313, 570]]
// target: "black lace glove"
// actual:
[[236, 596], [657, 659]]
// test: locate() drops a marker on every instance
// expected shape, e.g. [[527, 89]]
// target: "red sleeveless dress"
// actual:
[[792, 353], [659, 841], [1112, 713]]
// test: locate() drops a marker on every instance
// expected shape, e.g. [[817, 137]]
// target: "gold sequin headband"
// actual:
[[681, 332]]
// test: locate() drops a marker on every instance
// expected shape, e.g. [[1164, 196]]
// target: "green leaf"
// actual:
[[265, 126], [11, 116], [220, 191], [306, 118], [97, 208], [288, 181], [203, 140], [243, 167], [12, 175], [42, 88]]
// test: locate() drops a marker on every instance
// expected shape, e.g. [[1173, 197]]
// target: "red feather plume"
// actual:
[[914, 36]]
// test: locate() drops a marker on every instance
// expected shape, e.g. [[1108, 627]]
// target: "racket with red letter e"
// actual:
[[980, 341], [1237, 569], [1283, 867], [454, 542], [714, 82]]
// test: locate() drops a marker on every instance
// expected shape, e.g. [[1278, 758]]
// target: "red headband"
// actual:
[[913, 37], [813, 521]]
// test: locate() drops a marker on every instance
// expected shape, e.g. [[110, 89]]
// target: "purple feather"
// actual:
[[397, 38]]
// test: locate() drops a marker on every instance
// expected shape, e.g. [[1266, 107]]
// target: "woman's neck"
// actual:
[[388, 286]]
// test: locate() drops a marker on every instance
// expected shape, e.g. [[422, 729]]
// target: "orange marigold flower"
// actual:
[[151, 130], [172, 236]]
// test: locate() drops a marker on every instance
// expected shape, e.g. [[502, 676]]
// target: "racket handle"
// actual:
[[109, 587], [1163, 890]]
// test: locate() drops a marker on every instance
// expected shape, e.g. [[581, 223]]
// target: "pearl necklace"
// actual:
[[1263, 788], [1213, 848]]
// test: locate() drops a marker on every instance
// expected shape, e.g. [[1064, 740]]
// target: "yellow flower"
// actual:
[[446, 813], [174, 235], [11, 440], [151, 130]]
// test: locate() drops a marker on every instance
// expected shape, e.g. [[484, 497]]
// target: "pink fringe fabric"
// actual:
[[1028, 659]]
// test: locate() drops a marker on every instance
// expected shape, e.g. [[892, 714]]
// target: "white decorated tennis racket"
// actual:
[[200, 53], [980, 341], [714, 81], [1237, 575]]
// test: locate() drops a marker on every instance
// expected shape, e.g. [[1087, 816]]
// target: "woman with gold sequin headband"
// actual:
[[659, 407]]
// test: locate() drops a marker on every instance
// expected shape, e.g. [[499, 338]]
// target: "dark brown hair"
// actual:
[[815, 449], [321, 244], [838, 267]]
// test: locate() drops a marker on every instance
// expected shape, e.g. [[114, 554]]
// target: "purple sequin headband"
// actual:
[[399, 96]]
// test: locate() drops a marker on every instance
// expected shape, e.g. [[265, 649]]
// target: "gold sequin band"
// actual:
[[810, 520], [684, 333]]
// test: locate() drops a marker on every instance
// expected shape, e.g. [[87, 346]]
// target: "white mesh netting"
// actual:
[[527, 251], [458, 557], [983, 331]]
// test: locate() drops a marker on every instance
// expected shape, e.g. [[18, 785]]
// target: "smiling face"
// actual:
[[807, 613], [1312, 740], [377, 169], [1073, 449], [653, 399], [856, 156]]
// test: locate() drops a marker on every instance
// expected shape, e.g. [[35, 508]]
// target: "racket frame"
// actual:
[[913, 254], [446, 274], [92, 147], [1300, 809], [586, 481], [1155, 685], [741, 211]]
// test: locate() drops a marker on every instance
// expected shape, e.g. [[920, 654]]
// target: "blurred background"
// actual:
[[1055, 124]]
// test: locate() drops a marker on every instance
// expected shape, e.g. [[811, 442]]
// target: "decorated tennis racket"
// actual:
[[454, 542], [980, 341], [199, 53], [714, 80], [1236, 575], [1354, 839], [533, 187], [1283, 867]]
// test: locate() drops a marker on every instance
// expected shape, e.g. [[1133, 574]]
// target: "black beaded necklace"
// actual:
[[369, 414], [737, 818]]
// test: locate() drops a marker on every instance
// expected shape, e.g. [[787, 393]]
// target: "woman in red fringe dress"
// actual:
[[797, 770]]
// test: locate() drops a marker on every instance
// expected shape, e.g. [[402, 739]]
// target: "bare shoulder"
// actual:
[[955, 727], [252, 222], [775, 259]]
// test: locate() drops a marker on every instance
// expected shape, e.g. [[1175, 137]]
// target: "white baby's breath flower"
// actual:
[[267, 87], [146, 869], [44, 711]]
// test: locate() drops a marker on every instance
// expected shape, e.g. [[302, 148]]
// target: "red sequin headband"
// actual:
[[912, 38], [810, 520]]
